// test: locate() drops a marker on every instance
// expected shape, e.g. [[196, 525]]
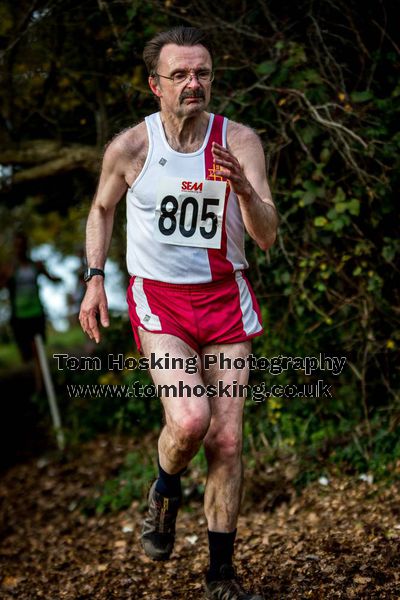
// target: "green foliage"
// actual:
[[130, 484], [319, 82], [110, 403], [133, 479]]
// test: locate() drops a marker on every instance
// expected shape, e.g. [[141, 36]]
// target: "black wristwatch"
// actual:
[[89, 273]]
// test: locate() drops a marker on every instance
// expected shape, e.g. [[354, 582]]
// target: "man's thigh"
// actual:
[[176, 372], [230, 374]]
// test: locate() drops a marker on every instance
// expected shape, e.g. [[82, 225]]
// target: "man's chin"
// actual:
[[192, 108], [193, 104]]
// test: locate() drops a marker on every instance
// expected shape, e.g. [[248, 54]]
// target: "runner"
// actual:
[[21, 277], [194, 182]]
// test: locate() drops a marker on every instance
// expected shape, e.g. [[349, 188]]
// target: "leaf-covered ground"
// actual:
[[340, 540]]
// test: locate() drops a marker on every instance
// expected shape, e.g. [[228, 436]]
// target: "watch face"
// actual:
[[86, 275]]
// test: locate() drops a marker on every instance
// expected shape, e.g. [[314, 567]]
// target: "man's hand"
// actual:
[[232, 170], [93, 304]]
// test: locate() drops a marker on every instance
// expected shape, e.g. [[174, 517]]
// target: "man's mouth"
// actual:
[[191, 96]]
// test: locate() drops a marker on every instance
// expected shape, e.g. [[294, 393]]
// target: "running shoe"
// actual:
[[158, 530], [228, 588]]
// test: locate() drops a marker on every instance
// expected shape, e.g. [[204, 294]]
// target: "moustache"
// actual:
[[191, 94]]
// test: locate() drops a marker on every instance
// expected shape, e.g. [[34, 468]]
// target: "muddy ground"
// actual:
[[340, 540]]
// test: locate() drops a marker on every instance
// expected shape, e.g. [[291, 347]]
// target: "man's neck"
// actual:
[[185, 134]]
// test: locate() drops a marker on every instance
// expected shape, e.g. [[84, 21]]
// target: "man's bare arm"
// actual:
[[43, 271], [243, 164], [112, 186]]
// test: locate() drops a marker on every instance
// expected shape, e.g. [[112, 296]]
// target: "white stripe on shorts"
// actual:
[[251, 324], [143, 310]]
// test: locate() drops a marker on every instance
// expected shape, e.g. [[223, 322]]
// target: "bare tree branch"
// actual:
[[44, 158], [314, 112]]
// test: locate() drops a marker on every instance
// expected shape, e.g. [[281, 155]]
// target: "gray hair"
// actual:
[[181, 36]]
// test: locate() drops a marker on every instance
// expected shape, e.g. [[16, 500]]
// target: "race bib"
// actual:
[[190, 213]]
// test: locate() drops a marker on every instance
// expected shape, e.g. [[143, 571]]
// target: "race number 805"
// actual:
[[187, 218], [190, 217]]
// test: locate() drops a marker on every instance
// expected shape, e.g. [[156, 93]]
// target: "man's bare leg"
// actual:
[[187, 418], [223, 448], [223, 442]]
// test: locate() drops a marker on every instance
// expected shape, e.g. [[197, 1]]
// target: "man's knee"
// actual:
[[224, 446], [190, 429]]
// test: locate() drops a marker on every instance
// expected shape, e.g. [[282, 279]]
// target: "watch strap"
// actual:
[[90, 272]]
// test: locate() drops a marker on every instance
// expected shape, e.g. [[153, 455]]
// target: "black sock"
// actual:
[[221, 552], [169, 485]]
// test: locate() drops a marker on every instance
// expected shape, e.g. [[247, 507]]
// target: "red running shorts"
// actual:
[[221, 312]]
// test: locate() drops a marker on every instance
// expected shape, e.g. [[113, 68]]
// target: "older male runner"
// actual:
[[194, 181]]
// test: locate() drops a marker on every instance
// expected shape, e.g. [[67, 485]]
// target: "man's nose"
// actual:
[[193, 82]]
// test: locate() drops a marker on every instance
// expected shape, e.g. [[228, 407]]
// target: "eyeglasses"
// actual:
[[203, 76]]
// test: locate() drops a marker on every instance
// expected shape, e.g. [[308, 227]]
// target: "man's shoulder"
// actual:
[[239, 136], [129, 141], [126, 152]]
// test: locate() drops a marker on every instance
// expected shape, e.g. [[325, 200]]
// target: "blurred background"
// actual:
[[319, 82]]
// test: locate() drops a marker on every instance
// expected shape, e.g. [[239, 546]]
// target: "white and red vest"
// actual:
[[180, 227]]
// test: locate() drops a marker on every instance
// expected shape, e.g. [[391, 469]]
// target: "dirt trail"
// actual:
[[336, 541]]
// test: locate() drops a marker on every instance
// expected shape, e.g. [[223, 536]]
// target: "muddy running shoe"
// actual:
[[158, 530], [228, 588]]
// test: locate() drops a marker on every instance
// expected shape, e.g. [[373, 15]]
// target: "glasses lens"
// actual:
[[203, 76], [180, 77]]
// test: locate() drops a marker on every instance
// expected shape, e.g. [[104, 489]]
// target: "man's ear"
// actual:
[[154, 86]]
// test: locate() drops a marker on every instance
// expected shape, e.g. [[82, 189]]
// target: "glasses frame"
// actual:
[[188, 79]]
